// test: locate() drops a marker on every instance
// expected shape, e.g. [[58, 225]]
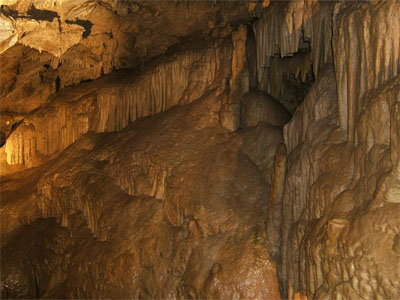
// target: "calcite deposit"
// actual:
[[84, 40], [200, 149], [112, 102], [167, 213]]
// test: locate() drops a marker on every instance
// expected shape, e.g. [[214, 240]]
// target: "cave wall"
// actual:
[[179, 178], [108, 35], [112, 102], [341, 217], [147, 220], [338, 204]]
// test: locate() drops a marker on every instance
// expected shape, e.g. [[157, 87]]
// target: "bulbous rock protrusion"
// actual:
[[261, 107], [396, 244]]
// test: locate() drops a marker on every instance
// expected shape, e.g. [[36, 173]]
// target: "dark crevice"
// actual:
[[87, 25], [12, 85], [58, 83], [7, 12], [42, 14], [294, 90], [219, 18], [45, 15], [251, 56], [86, 80], [14, 125], [3, 138], [37, 289]]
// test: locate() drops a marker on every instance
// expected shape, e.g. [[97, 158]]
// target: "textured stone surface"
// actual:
[[341, 195], [170, 207], [112, 102], [259, 107], [83, 40], [300, 32], [339, 206], [251, 150], [365, 56]]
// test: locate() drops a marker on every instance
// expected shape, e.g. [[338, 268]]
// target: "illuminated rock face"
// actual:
[[175, 218], [340, 200], [256, 158], [83, 40], [341, 195], [111, 103]]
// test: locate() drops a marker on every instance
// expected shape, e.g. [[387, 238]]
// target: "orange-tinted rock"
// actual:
[[171, 180], [261, 107], [170, 207]]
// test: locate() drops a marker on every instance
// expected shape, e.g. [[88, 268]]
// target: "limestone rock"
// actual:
[[249, 150], [83, 40], [153, 211], [50, 36], [112, 102], [261, 107], [366, 56], [286, 27], [338, 216]]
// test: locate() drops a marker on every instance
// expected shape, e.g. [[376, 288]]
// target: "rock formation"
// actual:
[[200, 150], [112, 102], [168, 213]]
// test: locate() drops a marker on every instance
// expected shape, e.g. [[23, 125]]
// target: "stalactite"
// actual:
[[163, 87], [299, 65], [111, 106], [366, 47], [145, 178], [284, 29], [338, 197], [48, 130]]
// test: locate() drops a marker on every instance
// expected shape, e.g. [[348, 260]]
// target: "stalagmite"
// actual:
[[261, 107]]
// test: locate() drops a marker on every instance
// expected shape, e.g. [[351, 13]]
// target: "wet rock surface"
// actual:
[[67, 42], [144, 219], [340, 225], [249, 150], [112, 102]]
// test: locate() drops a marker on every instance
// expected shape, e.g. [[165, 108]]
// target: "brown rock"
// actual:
[[261, 107]]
